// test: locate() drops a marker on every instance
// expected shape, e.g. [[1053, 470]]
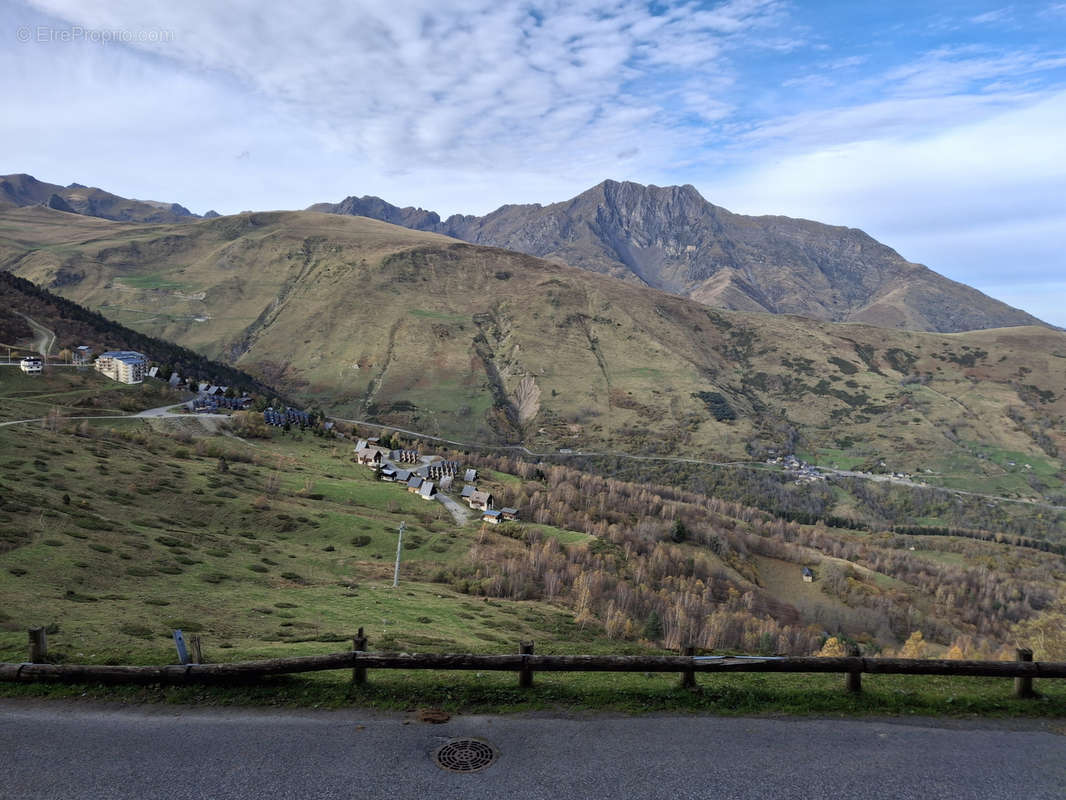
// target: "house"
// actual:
[[403, 475], [467, 491], [388, 474], [491, 516], [470, 476], [360, 445], [808, 575], [427, 490], [82, 354], [31, 365], [482, 501], [124, 366], [175, 379], [509, 514], [153, 372], [414, 484], [445, 483], [370, 458]]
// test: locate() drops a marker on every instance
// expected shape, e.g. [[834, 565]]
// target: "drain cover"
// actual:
[[465, 755]]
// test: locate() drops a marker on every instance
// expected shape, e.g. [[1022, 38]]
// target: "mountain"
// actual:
[[25, 190], [374, 321], [671, 238]]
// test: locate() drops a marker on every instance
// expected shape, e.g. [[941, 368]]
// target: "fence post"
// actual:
[[197, 653], [359, 645], [38, 645], [853, 678], [688, 676], [525, 674], [1023, 687]]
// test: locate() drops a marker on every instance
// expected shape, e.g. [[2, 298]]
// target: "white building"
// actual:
[[31, 365], [125, 366]]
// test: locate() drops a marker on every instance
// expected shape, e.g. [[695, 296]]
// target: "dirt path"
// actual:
[[46, 339]]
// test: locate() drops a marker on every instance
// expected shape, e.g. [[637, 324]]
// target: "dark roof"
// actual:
[[807, 571], [508, 510], [415, 481], [468, 490]]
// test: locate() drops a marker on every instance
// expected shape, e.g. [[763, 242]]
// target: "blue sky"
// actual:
[[938, 127]]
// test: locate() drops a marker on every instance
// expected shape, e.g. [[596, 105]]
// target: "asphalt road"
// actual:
[[70, 751]]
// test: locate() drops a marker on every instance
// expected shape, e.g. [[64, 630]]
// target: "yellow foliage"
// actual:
[[833, 648], [955, 653], [914, 647]]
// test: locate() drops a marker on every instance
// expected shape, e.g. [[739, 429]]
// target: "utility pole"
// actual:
[[399, 546]]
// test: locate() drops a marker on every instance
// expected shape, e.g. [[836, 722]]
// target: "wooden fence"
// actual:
[[526, 663]]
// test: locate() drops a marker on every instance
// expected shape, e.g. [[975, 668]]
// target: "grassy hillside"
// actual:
[[371, 321], [115, 532]]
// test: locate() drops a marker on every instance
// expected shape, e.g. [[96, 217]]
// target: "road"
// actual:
[[69, 751], [46, 339]]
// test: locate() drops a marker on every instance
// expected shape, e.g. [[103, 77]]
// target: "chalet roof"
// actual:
[[481, 497], [403, 475], [508, 510], [427, 489], [470, 475], [415, 481], [468, 490], [807, 571], [361, 444]]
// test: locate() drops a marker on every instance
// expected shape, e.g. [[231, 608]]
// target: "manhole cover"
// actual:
[[465, 755]]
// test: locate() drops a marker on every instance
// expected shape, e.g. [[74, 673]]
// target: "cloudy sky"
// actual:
[[939, 127]]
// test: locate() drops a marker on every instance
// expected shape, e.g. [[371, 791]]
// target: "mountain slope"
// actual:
[[671, 238], [25, 190], [371, 320]]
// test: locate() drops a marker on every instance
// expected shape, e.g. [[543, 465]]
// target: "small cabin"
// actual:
[[414, 484], [427, 490], [509, 514], [491, 516], [481, 501], [808, 575], [369, 457]]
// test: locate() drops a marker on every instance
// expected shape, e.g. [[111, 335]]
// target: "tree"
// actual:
[[653, 627], [914, 647], [678, 532], [833, 648]]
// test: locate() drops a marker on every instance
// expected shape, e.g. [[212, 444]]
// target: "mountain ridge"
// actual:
[[671, 238], [21, 189]]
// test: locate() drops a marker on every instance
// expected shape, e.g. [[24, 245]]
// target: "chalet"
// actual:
[[470, 476], [369, 457], [414, 484], [491, 516], [509, 514], [427, 490], [82, 354], [360, 445], [31, 365], [124, 366], [467, 491], [482, 501], [403, 475], [153, 372], [445, 483], [808, 575], [388, 474]]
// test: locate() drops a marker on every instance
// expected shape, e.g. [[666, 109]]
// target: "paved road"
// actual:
[[53, 750]]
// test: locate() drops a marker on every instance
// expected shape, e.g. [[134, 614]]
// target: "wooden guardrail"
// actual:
[[526, 663]]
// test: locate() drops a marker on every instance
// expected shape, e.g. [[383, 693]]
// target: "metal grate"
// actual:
[[465, 755]]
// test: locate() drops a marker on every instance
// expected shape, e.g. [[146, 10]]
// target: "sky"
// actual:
[[937, 127]]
